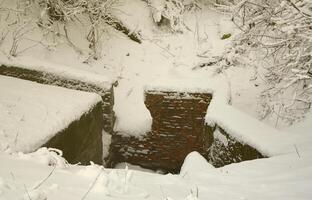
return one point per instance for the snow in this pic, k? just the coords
(106, 141)
(169, 55)
(32, 113)
(138, 23)
(193, 163)
(167, 65)
(123, 165)
(302, 128)
(219, 136)
(248, 130)
(161, 54)
(45, 156)
(280, 177)
(164, 61)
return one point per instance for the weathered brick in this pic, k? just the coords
(177, 129)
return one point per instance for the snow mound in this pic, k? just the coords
(194, 163)
(32, 113)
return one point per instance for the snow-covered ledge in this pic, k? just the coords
(35, 115)
(66, 72)
(68, 77)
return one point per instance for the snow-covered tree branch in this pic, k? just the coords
(279, 33)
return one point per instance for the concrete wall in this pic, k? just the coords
(52, 79)
(81, 141)
(226, 150)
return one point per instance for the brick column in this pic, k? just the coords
(178, 124)
(177, 129)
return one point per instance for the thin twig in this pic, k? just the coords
(92, 185)
(27, 192)
(46, 178)
(297, 151)
(70, 42)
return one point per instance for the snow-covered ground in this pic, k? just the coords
(32, 113)
(281, 177)
(163, 60)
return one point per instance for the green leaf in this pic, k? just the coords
(226, 36)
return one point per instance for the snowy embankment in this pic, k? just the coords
(280, 177)
(32, 113)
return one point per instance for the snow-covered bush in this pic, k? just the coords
(14, 27)
(54, 19)
(170, 12)
(276, 36)
(96, 11)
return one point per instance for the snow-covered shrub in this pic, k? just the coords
(55, 20)
(170, 12)
(96, 11)
(15, 26)
(282, 30)
(66, 10)
(276, 37)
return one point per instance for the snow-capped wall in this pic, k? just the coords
(68, 78)
(32, 113)
(35, 115)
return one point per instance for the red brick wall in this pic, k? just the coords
(177, 129)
